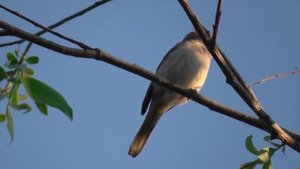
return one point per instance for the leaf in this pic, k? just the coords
(249, 165)
(23, 106)
(267, 165)
(3, 74)
(43, 94)
(12, 65)
(42, 107)
(2, 117)
(10, 73)
(14, 93)
(2, 96)
(250, 147)
(268, 139)
(29, 72)
(21, 67)
(11, 57)
(283, 149)
(22, 97)
(17, 52)
(270, 150)
(32, 60)
(10, 123)
(263, 157)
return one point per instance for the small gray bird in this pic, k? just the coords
(187, 65)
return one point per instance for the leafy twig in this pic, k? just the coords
(264, 155)
(19, 73)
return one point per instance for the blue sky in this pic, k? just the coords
(259, 37)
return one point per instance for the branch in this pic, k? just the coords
(83, 46)
(3, 33)
(275, 76)
(235, 80)
(217, 21)
(82, 12)
(133, 68)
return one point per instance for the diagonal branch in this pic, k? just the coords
(83, 46)
(235, 80)
(80, 13)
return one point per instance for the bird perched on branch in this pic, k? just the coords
(187, 65)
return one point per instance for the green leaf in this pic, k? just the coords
(44, 94)
(3, 74)
(263, 157)
(14, 93)
(17, 52)
(10, 123)
(267, 165)
(22, 97)
(250, 147)
(21, 67)
(23, 106)
(283, 149)
(270, 150)
(10, 73)
(268, 139)
(11, 57)
(249, 165)
(42, 107)
(32, 60)
(29, 72)
(2, 117)
(12, 65)
(2, 96)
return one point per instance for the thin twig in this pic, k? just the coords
(236, 81)
(134, 68)
(65, 20)
(217, 21)
(276, 76)
(27, 49)
(83, 46)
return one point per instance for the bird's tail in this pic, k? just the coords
(143, 134)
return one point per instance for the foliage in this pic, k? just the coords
(264, 155)
(17, 72)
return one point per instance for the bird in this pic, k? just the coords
(186, 64)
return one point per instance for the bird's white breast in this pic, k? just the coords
(187, 65)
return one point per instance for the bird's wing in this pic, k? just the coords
(167, 56)
(147, 99)
(148, 96)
